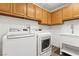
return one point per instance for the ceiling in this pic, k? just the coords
(50, 6)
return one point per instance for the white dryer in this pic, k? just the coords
(44, 43)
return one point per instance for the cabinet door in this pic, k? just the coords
(31, 10)
(53, 18)
(49, 19)
(57, 17)
(5, 7)
(39, 13)
(75, 10)
(45, 16)
(19, 9)
(67, 12)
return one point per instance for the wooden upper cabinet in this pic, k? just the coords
(67, 12)
(57, 17)
(31, 10)
(54, 20)
(45, 17)
(5, 7)
(39, 13)
(75, 9)
(49, 22)
(19, 9)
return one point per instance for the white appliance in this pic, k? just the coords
(44, 43)
(20, 44)
(25, 43)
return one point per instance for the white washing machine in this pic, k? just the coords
(27, 44)
(19, 44)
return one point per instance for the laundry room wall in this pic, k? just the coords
(7, 22)
(65, 28)
(56, 30)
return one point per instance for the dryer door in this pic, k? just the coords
(44, 44)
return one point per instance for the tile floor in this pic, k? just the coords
(55, 51)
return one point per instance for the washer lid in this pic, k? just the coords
(12, 35)
(19, 36)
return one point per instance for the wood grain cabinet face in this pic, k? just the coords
(67, 12)
(19, 9)
(5, 7)
(54, 18)
(57, 17)
(75, 9)
(49, 19)
(45, 17)
(31, 10)
(39, 13)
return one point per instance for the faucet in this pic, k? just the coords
(72, 27)
(29, 27)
